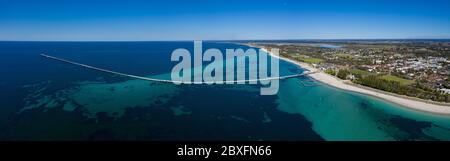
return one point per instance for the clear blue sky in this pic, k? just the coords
(222, 19)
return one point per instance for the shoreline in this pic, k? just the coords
(412, 103)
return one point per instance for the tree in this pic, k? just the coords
(343, 73)
(330, 72)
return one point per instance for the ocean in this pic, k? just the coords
(42, 99)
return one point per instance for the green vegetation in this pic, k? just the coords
(354, 58)
(330, 72)
(343, 73)
(345, 56)
(394, 86)
(307, 59)
(360, 73)
(398, 79)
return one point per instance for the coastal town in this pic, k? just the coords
(417, 69)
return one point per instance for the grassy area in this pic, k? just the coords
(347, 56)
(363, 73)
(308, 59)
(397, 79)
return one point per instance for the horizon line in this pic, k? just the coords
(184, 40)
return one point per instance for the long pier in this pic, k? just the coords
(172, 81)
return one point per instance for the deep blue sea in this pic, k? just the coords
(42, 99)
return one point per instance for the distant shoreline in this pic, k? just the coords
(409, 102)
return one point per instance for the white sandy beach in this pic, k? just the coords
(401, 100)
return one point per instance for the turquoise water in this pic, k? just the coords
(47, 100)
